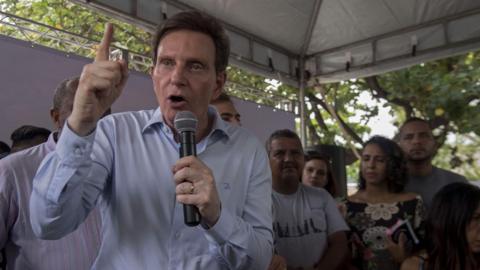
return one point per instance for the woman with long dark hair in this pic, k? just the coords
(379, 205)
(317, 172)
(452, 231)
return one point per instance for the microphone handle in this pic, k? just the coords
(191, 215)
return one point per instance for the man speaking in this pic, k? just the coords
(128, 164)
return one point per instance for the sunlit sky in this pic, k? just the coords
(380, 124)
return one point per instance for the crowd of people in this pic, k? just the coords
(105, 191)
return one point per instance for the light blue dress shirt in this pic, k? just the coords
(125, 168)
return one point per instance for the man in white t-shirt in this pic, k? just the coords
(309, 231)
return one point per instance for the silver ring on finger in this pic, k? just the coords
(192, 189)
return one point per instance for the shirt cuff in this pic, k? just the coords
(221, 231)
(72, 148)
(73, 151)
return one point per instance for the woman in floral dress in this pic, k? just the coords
(378, 205)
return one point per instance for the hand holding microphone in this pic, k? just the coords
(195, 183)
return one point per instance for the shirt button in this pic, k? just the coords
(78, 151)
(177, 235)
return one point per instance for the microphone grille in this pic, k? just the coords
(185, 121)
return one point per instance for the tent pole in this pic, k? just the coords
(301, 99)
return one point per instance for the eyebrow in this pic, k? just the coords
(187, 60)
(374, 156)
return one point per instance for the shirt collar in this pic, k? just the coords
(219, 126)
(156, 118)
(50, 143)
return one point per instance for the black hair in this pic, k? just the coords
(450, 213)
(330, 186)
(396, 174)
(27, 132)
(4, 148)
(281, 133)
(199, 22)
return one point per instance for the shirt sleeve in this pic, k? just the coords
(8, 205)
(64, 190)
(246, 242)
(335, 220)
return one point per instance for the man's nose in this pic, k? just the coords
(417, 139)
(178, 74)
(371, 163)
(288, 156)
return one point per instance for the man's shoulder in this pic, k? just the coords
(314, 190)
(25, 157)
(449, 175)
(137, 119)
(315, 194)
(130, 115)
(18, 169)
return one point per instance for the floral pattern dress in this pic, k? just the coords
(369, 223)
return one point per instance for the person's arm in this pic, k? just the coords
(100, 84)
(243, 242)
(277, 263)
(337, 252)
(411, 263)
(63, 193)
(8, 207)
(67, 185)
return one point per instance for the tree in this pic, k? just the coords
(446, 92)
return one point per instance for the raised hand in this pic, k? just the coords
(101, 83)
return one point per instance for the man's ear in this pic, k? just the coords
(55, 116)
(220, 83)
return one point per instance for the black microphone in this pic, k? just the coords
(186, 124)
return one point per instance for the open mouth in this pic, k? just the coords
(289, 168)
(176, 99)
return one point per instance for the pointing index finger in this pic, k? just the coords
(103, 48)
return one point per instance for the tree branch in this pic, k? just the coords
(335, 115)
(316, 112)
(314, 138)
(379, 92)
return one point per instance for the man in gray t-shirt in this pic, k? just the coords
(416, 139)
(309, 231)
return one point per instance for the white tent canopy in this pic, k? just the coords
(335, 39)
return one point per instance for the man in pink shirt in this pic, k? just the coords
(23, 250)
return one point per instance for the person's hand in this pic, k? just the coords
(342, 208)
(101, 83)
(195, 185)
(277, 263)
(398, 251)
